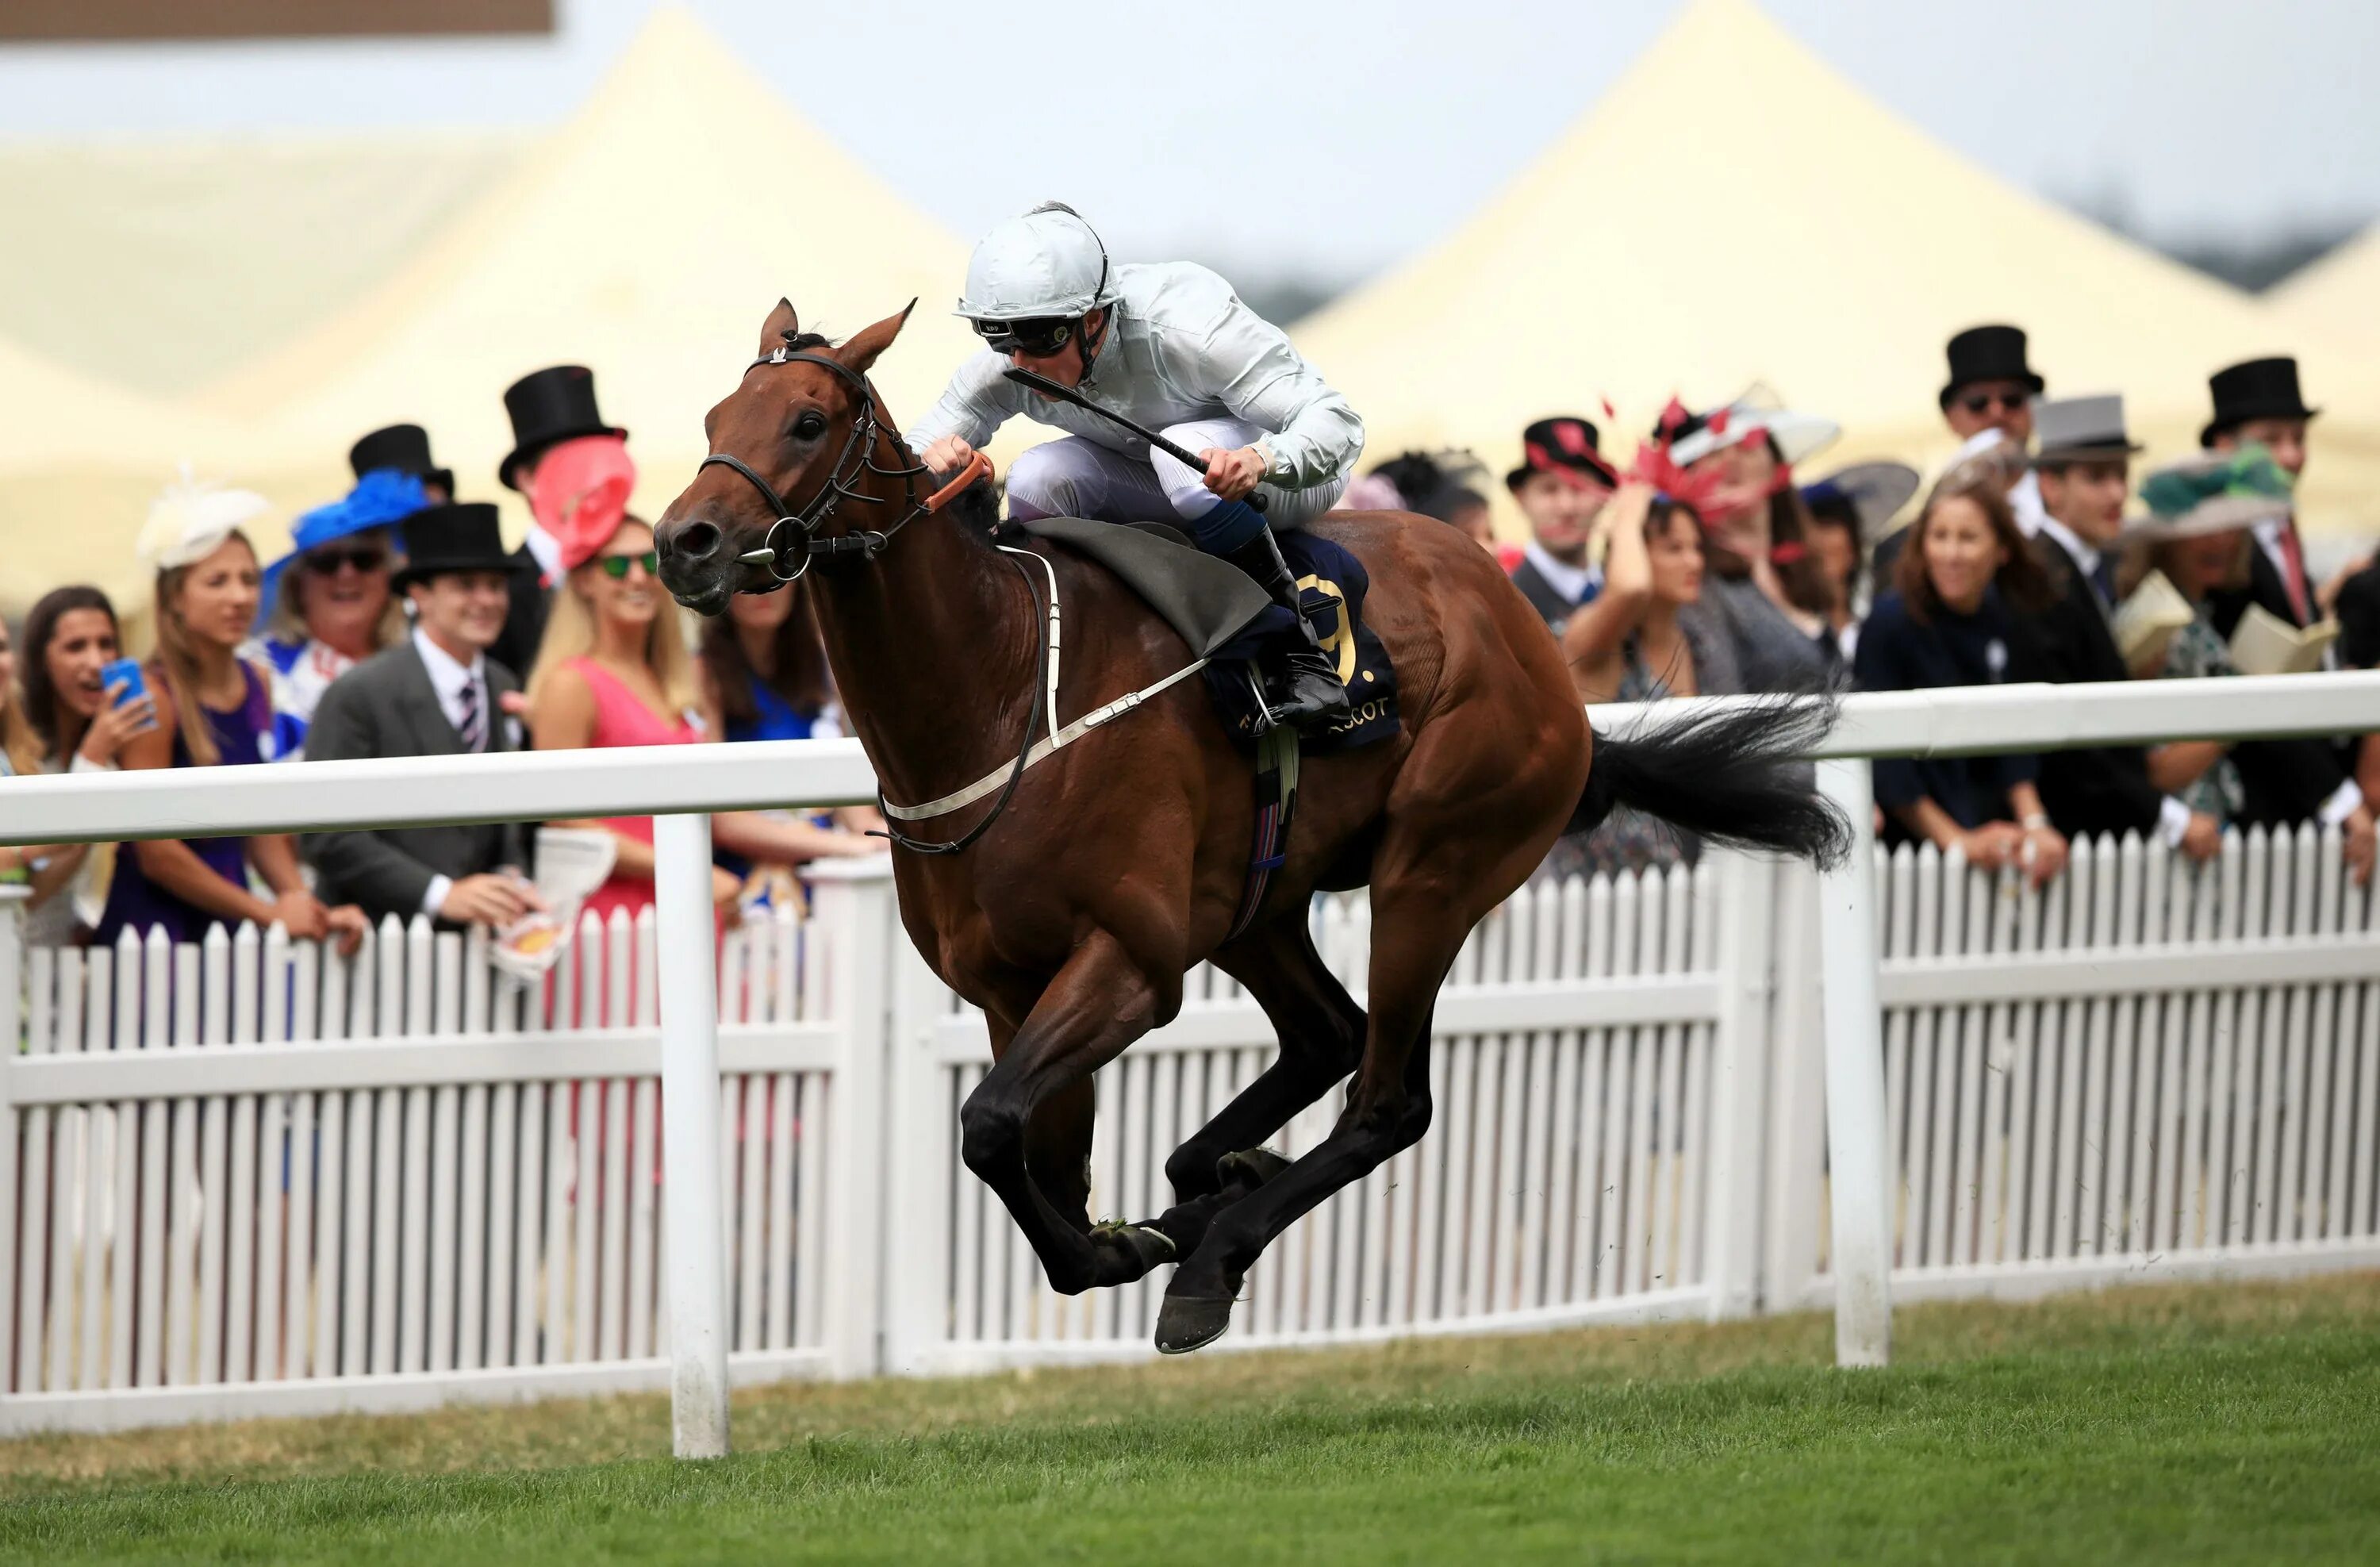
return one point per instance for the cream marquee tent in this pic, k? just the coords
(79, 461)
(646, 240)
(1733, 211)
(160, 263)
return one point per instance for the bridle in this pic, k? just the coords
(855, 461)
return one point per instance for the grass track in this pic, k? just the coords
(2153, 1425)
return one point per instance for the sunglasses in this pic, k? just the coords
(1036, 339)
(1983, 402)
(616, 566)
(329, 559)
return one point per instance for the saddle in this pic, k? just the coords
(1227, 619)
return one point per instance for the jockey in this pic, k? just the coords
(1169, 346)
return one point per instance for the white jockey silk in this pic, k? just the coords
(1180, 347)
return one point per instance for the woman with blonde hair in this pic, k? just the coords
(614, 670)
(213, 709)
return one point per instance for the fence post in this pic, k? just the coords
(1797, 1099)
(1738, 1085)
(920, 1142)
(12, 978)
(852, 907)
(692, 1211)
(1861, 1253)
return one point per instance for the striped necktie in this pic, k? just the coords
(472, 729)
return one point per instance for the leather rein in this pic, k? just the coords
(853, 463)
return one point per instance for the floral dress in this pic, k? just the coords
(2196, 652)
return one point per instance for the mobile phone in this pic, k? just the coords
(129, 672)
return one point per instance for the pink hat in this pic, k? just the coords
(579, 494)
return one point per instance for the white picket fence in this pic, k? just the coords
(2148, 1068)
(255, 1178)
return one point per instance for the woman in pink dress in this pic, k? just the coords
(614, 669)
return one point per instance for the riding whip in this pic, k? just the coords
(1034, 382)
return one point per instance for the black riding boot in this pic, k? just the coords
(1316, 698)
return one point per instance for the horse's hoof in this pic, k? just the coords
(1249, 1168)
(1184, 1324)
(1138, 1250)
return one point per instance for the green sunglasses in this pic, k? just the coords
(616, 566)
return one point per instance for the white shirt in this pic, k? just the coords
(1573, 582)
(2085, 556)
(449, 680)
(1180, 346)
(546, 549)
(2024, 500)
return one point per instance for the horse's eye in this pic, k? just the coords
(809, 427)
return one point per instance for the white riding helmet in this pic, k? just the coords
(1047, 263)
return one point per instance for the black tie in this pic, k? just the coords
(474, 732)
(2103, 577)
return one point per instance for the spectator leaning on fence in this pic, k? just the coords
(1947, 619)
(2197, 537)
(2085, 472)
(213, 708)
(437, 693)
(79, 722)
(328, 605)
(762, 669)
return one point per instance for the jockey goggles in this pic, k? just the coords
(1037, 340)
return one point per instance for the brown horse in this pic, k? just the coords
(1119, 861)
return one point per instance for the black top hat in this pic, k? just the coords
(548, 407)
(1564, 443)
(405, 448)
(457, 536)
(1988, 353)
(2258, 389)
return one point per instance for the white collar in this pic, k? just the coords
(546, 549)
(446, 676)
(2024, 504)
(1571, 581)
(2085, 556)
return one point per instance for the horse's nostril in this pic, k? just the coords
(697, 540)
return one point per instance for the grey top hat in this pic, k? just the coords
(2081, 430)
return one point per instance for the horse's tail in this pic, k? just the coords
(1730, 775)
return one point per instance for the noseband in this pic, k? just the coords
(793, 537)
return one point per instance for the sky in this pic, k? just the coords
(1326, 139)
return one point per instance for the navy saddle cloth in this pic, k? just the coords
(1225, 618)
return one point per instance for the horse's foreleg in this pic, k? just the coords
(1414, 942)
(1020, 1116)
(1321, 1033)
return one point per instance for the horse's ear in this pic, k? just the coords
(781, 324)
(861, 351)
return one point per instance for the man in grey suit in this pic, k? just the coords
(437, 693)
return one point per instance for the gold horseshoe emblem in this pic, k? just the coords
(1340, 642)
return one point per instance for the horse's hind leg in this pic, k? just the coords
(1321, 1033)
(1032, 1107)
(1416, 933)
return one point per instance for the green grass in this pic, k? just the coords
(2146, 1424)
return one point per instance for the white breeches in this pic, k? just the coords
(1078, 478)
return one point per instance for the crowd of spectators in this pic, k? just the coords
(398, 624)
(1708, 564)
